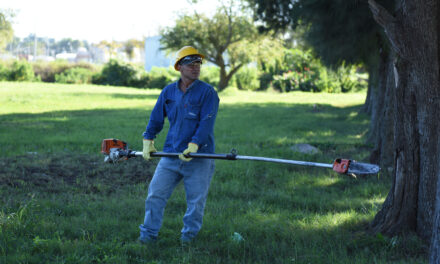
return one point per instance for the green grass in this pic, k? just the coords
(61, 204)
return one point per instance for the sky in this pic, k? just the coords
(96, 20)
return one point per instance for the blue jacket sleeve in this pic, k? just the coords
(208, 113)
(157, 118)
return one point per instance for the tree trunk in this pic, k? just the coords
(370, 101)
(381, 128)
(367, 107)
(413, 34)
(435, 240)
(434, 254)
(226, 77)
(223, 83)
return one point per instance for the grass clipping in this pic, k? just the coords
(56, 173)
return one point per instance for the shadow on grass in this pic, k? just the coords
(135, 96)
(117, 95)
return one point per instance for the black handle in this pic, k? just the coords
(228, 156)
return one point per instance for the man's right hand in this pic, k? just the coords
(148, 148)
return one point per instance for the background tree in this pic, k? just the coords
(130, 45)
(342, 32)
(227, 40)
(111, 47)
(6, 31)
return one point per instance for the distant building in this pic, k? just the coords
(98, 54)
(154, 56)
(83, 55)
(70, 57)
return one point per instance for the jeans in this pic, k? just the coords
(196, 175)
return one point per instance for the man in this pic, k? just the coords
(191, 108)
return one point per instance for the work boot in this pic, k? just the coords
(147, 240)
(186, 241)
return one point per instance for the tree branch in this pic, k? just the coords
(234, 70)
(390, 24)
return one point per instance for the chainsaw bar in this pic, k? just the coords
(362, 168)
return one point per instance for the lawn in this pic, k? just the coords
(61, 204)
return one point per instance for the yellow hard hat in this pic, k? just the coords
(186, 51)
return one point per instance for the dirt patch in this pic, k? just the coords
(58, 172)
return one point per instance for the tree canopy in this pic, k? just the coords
(337, 30)
(227, 40)
(6, 31)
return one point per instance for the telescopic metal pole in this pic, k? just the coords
(233, 156)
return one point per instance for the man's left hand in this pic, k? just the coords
(192, 148)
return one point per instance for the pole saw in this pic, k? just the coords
(115, 150)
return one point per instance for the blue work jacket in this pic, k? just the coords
(191, 116)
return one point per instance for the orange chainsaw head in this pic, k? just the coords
(112, 143)
(341, 165)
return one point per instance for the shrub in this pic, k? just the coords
(211, 75)
(327, 81)
(296, 80)
(247, 79)
(265, 80)
(347, 78)
(48, 70)
(116, 73)
(21, 71)
(159, 77)
(142, 80)
(3, 72)
(300, 70)
(75, 75)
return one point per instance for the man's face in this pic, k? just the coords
(190, 71)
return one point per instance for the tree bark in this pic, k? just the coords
(381, 128)
(413, 34)
(226, 77)
(366, 108)
(371, 100)
(434, 254)
(223, 83)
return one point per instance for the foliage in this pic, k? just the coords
(247, 79)
(228, 40)
(300, 70)
(337, 30)
(21, 70)
(265, 79)
(328, 81)
(130, 45)
(111, 47)
(210, 74)
(62, 204)
(74, 75)
(4, 72)
(67, 45)
(6, 31)
(117, 73)
(48, 70)
(161, 77)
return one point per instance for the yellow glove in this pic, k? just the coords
(192, 148)
(148, 148)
